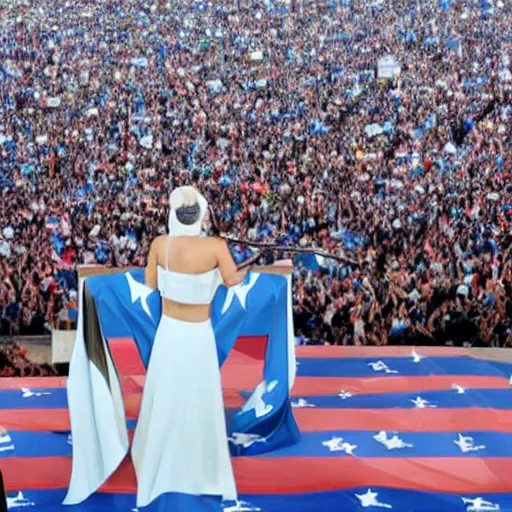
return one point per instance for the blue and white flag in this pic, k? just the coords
(122, 306)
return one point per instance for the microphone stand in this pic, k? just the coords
(271, 247)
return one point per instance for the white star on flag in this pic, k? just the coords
(480, 505)
(391, 443)
(139, 291)
(301, 403)
(241, 291)
(241, 506)
(19, 501)
(420, 403)
(344, 394)
(336, 444)
(370, 500)
(467, 444)
(5, 441)
(379, 366)
(4, 436)
(27, 393)
(246, 440)
(416, 358)
(460, 390)
(256, 402)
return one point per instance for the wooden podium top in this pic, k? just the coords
(100, 270)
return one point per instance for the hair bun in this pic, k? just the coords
(189, 214)
(183, 196)
(187, 210)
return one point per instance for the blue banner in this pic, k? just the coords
(258, 307)
(349, 500)
(400, 366)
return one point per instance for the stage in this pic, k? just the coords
(397, 428)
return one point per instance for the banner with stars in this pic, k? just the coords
(401, 429)
(121, 306)
(416, 430)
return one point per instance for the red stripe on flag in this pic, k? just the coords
(315, 386)
(32, 382)
(35, 420)
(128, 361)
(310, 474)
(319, 351)
(314, 420)
(259, 475)
(253, 346)
(404, 420)
(237, 378)
(241, 375)
(126, 356)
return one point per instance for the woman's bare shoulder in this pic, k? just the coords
(213, 244)
(207, 242)
(159, 240)
(213, 240)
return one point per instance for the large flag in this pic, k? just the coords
(122, 306)
(426, 429)
(382, 429)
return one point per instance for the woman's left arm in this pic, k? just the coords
(249, 262)
(150, 276)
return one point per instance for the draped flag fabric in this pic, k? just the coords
(398, 429)
(121, 305)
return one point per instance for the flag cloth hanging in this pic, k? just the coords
(121, 306)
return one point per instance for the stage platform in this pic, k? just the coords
(396, 428)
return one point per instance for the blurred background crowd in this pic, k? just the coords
(376, 130)
(14, 363)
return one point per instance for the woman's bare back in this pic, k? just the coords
(190, 255)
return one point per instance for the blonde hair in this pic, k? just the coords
(184, 196)
(186, 213)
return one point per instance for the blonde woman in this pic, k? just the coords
(180, 443)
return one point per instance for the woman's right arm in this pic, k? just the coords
(231, 276)
(151, 273)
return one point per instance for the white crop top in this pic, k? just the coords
(190, 289)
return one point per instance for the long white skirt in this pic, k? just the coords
(180, 442)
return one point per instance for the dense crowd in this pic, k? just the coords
(14, 363)
(279, 113)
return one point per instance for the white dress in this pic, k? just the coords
(180, 442)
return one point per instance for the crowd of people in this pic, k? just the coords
(14, 363)
(295, 129)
